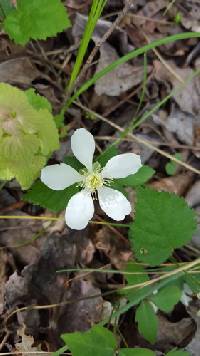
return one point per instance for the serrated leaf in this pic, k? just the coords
(147, 321)
(36, 19)
(163, 222)
(97, 341)
(28, 136)
(38, 101)
(104, 157)
(54, 200)
(5, 8)
(178, 353)
(167, 297)
(144, 174)
(136, 352)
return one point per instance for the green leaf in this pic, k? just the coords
(178, 353)
(171, 166)
(139, 276)
(144, 174)
(163, 222)
(38, 101)
(147, 321)
(36, 19)
(59, 119)
(5, 8)
(28, 137)
(193, 281)
(109, 153)
(54, 200)
(73, 162)
(136, 352)
(167, 297)
(97, 341)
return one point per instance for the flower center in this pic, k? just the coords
(93, 181)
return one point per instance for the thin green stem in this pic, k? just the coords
(124, 59)
(52, 218)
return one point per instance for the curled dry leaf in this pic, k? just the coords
(26, 344)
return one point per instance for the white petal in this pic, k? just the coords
(83, 147)
(59, 176)
(122, 166)
(80, 210)
(113, 203)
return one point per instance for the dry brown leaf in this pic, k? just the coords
(150, 9)
(177, 184)
(187, 97)
(172, 334)
(18, 71)
(116, 248)
(194, 346)
(193, 195)
(121, 79)
(26, 344)
(178, 122)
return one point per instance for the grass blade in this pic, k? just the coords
(127, 57)
(95, 13)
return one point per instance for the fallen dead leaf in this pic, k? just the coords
(116, 248)
(187, 97)
(26, 344)
(121, 79)
(178, 122)
(193, 195)
(18, 71)
(174, 334)
(39, 283)
(176, 184)
(194, 346)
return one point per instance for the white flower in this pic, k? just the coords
(93, 180)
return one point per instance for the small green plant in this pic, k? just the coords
(35, 19)
(102, 342)
(28, 134)
(171, 167)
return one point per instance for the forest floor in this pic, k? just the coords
(31, 251)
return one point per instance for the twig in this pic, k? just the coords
(99, 44)
(157, 143)
(184, 268)
(140, 140)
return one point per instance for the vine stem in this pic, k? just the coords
(53, 218)
(179, 270)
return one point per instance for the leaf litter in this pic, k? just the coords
(28, 274)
